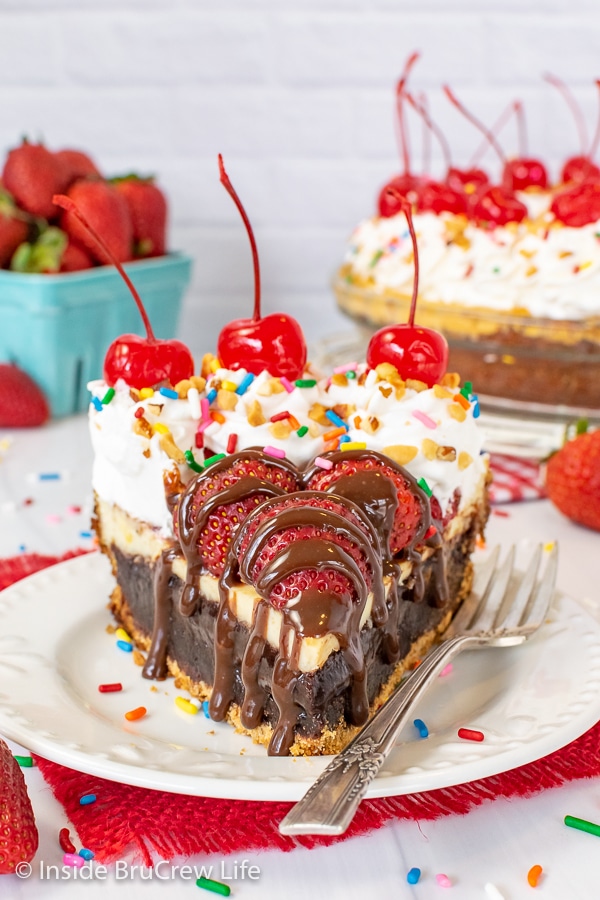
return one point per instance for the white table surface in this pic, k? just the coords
(496, 843)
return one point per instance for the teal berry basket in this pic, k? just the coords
(57, 328)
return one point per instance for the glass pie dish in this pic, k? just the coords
(519, 358)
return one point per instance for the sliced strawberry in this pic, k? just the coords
(18, 832)
(451, 509)
(412, 510)
(250, 469)
(329, 530)
(22, 403)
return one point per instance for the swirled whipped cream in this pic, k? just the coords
(538, 266)
(139, 438)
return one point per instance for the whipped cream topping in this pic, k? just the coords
(536, 266)
(431, 432)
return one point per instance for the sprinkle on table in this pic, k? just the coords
(205, 709)
(122, 635)
(64, 839)
(443, 880)
(215, 886)
(582, 825)
(413, 875)
(26, 762)
(111, 688)
(138, 713)
(534, 874)
(446, 670)
(186, 705)
(87, 799)
(470, 734)
(49, 476)
(74, 860)
(421, 728)
(126, 646)
(86, 854)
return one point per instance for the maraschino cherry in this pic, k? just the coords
(576, 168)
(495, 205)
(436, 196)
(418, 353)
(275, 343)
(140, 362)
(523, 172)
(406, 184)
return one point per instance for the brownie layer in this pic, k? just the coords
(324, 695)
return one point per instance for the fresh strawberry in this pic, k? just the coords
(320, 581)
(14, 228)
(410, 516)
(223, 521)
(32, 174)
(148, 209)
(573, 479)
(107, 212)
(75, 258)
(76, 164)
(18, 833)
(22, 403)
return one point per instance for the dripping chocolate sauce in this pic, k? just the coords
(375, 496)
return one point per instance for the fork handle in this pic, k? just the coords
(329, 805)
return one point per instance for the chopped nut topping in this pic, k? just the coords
(265, 389)
(208, 363)
(277, 386)
(314, 430)
(339, 379)
(464, 460)
(429, 448)
(446, 454)
(401, 453)
(182, 388)
(138, 658)
(344, 410)
(456, 411)
(134, 394)
(281, 430)
(441, 393)
(146, 453)
(400, 391)
(416, 385)
(143, 427)
(255, 414)
(450, 380)
(168, 445)
(371, 425)
(357, 421)
(317, 414)
(198, 382)
(388, 372)
(361, 378)
(155, 408)
(386, 391)
(226, 399)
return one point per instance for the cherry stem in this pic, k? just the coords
(421, 109)
(573, 106)
(476, 122)
(406, 209)
(496, 128)
(426, 140)
(224, 177)
(521, 128)
(400, 123)
(596, 139)
(67, 204)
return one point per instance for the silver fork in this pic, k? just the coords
(504, 608)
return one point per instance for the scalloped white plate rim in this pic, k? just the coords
(55, 650)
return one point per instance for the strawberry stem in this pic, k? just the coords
(573, 106)
(224, 177)
(67, 204)
(475, 121)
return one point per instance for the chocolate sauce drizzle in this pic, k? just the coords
(314, 614)
(372, 497)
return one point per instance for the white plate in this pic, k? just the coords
(55, 650)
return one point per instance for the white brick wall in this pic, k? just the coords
(298, 96)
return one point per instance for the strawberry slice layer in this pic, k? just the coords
(330, 520)
(347, 476)
(222, 497)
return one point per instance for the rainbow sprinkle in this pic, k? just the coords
(335, 419)
(244, 384)
(323, 463)
(302, 430)
(424, 418)
(305, 382)
(212, 395)
(108, 396)
(287, 384)
(274, 451)
(424, 486)
(353, 445)
(213, 459)
(192, 462)
(97, 403)
(168, 392)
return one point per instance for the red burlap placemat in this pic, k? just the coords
(146, 822)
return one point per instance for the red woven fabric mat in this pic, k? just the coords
(127, 819)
